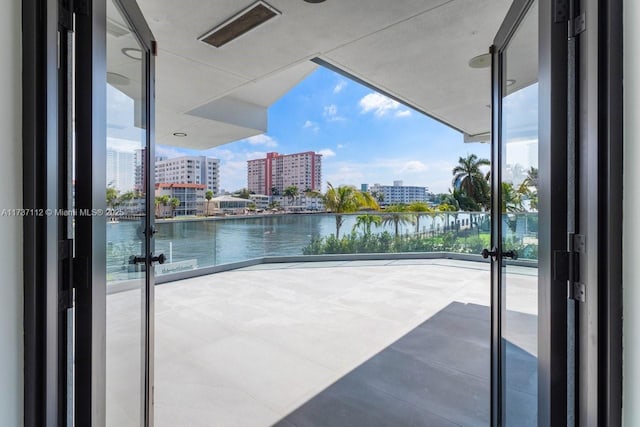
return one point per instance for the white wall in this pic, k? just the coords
(631, 239)
(11, 340)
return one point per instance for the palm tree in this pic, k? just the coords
(469, 177)
(378, 195)
(531, 180)
(126, 197)
(465, 202)
(529, 187)
(511, 199)
(346, 199)
(274, 205)
(448, 203)
(366, 221)
(243, 193)
(208, 195)
(291, 192)
(397, 216)
(418, 208)
(112, 197)
(161, 200)
(314, 195)
(175, 202)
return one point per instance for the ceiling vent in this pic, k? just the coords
(239, 24)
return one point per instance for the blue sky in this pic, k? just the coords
(364, 138)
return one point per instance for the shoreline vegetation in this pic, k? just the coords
(236, 216)
(452, 235)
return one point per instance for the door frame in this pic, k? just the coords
(599, 117)
(91, 124)
(43, 401)
(552, 226)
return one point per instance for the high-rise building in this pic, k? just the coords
(139, 169)
(399, 194)
(190, 170)
(276, 172)
(120, 170)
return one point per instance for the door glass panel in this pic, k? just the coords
(519, 226)
(125, 193)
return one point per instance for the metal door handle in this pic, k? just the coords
(136, 259)
(160, 259)
(486, 253)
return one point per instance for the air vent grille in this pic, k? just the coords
(240, 24)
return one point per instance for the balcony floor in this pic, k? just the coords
(396, 343)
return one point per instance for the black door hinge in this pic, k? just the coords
(566, 266)
(579, 24)
(81, 7)
(561, 11)
(65, 14)
(65, 274)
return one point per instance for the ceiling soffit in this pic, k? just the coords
(416, 50)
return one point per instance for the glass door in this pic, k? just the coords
(514, 250)
(129, 229)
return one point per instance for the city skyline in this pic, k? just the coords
(363, 137)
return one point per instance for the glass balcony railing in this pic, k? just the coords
(200, 243)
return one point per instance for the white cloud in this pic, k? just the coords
(340, 146)
(233, 175)
(327, 152)
(219, 153)
(252, 155)
(344, 175)
(123, 145)
(338, 88)
(331, 113)
(168, 152)
(311, 125)
(262, 139)
(380, 105)
(414, 166)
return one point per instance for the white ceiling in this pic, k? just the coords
(416, 50)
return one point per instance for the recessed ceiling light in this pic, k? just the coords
(179, 134)
(314, 1)
(511, 82)
(481, 61)
(132, 53)
(239, 24)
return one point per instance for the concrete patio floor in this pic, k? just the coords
(250, 347)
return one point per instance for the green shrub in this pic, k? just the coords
(461, 242)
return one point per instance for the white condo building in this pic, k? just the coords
(399, 194)
(189, 170)
(120, 170)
